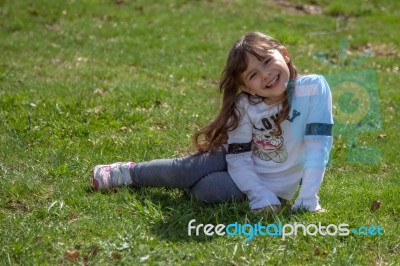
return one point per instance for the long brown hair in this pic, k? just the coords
(215, 133)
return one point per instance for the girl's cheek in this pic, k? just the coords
(257, 81)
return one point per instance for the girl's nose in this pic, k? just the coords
(266, 74)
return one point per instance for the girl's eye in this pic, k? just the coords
(266, 61)
(252, 76)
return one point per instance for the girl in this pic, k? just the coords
(273, 132)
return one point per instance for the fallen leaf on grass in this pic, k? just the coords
(382, 50)
(116, 255)
(16, 205)
(52, 27)
(125, 129)
(376, 205)
(100, 91)
(72, 217)
(73, 255)
(312, 9)
(158, 126)
(96, 110)
(319, 252)
(381, 136)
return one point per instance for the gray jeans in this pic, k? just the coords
(203, 176)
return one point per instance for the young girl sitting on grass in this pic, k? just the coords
(273, 133)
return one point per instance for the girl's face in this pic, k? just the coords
(267, 78)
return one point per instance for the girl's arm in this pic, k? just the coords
(240, 163)
(318, 143)
(240, 168)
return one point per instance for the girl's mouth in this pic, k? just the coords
(273, 82)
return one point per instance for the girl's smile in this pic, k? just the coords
(274, 82)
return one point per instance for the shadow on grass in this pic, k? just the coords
(168, 212)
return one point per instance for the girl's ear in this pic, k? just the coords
(285, 53)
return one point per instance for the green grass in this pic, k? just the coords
(90, 82)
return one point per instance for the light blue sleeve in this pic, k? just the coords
(317, 142)
(319, 122)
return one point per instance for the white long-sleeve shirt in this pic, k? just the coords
(275, 164)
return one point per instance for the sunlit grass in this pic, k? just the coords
(89, 82)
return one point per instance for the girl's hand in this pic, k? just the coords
(273, 208)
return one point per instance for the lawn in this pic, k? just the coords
(93, 81)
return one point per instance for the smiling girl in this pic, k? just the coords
(272, 134)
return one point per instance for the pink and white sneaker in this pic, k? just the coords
(113, 175)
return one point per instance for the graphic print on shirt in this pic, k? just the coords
(267, 146)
